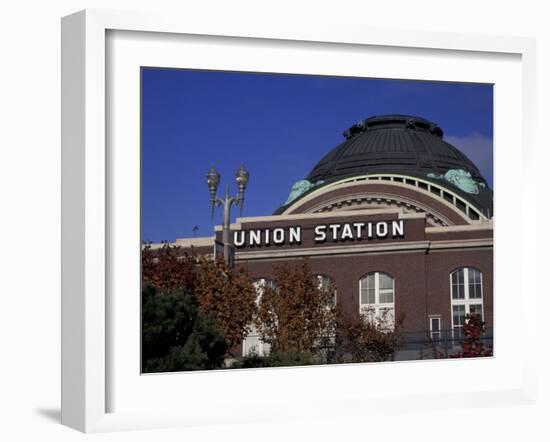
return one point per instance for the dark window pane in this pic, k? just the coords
(461, 276)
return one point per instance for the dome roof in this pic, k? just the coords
(392, 143)
(399, 144)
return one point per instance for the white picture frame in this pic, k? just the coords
(86, 206)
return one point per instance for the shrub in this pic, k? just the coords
(176, 336)
(472, 346)
(368, 340)
(277, 359)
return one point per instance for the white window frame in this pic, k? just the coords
(432, 332)
(467, 302)
(377, 306)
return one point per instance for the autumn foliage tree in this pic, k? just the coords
(368, 339)
(472, 345)
(167, 269)
(298, 314)
(229, 294)
(224, 293)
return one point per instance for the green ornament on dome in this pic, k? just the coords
(461, 179)
(299, 188)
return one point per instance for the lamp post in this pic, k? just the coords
(213, 181)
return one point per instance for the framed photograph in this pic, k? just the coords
(249, 214)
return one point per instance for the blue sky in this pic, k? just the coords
(278, 126)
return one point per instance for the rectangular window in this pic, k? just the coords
(435, 327)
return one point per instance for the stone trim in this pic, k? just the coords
(394, 247)
(461, 243)
(203, 241)
(478, 225)
(400, 203)
(368, 179)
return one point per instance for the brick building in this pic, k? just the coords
(398, 219)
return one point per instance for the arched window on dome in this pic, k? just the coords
(377, 298)
(466, 296)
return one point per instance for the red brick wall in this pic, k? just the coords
(421, 280)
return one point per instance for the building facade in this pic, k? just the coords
(398, 219)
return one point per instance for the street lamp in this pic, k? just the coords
(213, 181)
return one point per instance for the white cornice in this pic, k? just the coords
(202, 241)
(357, 181)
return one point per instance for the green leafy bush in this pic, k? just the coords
(277, 359)
(176, 336)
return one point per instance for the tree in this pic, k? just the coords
(227, 293)
(176, 336)
(168, 269)
(368, 339)
(472, 345)
(298, 314)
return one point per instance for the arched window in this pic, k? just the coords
(324, 283)
(377, 298)
(466, 296)
(252, 343)
(260, 284)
